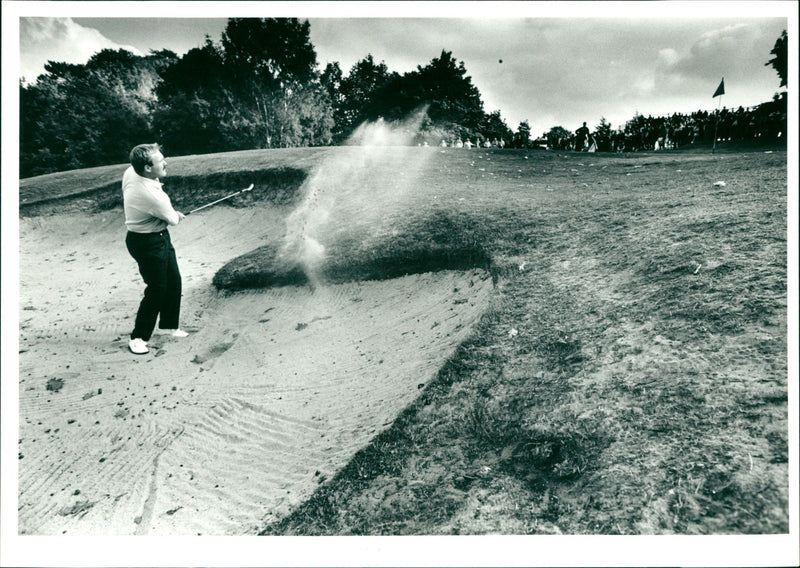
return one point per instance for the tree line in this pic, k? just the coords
(259, 86)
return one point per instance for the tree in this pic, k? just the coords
(448, 89)
(42, 143)
(493, 127)
(88, 115)
(558, 138)
(273, 51)
(201, 68)
(307, 117)
(257, 88)
(195, 102)
(602, 135)
(522, 138)
(269, 61)
(453, 103)
(780, 61)
(331, 80)
(360, 99)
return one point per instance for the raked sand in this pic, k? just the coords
(219, 433)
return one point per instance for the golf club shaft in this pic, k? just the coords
(221, 199)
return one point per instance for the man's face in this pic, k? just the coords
(158, 169)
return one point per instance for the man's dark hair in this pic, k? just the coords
(140, 156)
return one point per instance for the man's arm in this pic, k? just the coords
(162, 208)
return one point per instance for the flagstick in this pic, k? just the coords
(716, 124)
(714, 145)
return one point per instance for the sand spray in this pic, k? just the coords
(358, 184)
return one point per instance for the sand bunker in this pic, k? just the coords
(216, 434)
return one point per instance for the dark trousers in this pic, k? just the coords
(158, 266)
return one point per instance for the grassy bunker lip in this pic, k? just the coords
(265, 267)
(428, 243)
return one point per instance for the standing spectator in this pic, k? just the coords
(581, 136)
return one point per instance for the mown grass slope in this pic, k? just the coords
(631, 376)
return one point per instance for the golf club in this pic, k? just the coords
(221, 199)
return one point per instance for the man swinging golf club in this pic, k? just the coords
(148, 212)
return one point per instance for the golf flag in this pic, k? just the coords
(721, 89)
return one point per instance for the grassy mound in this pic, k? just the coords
(434, 241)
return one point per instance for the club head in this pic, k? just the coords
(248, 188)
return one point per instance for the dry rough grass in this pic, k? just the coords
(631, 377)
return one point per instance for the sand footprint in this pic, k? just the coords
(214, 351)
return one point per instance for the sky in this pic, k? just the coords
(552, 64)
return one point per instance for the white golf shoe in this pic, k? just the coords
(138, 346)
(174, 332)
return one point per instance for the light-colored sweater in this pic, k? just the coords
(147, 208)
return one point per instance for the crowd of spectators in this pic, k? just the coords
(479, 143)
(764, 122)
(761, 123)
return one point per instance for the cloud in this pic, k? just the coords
(40, 38)
(669, 56)
(732, 51)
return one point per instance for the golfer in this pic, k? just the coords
(148, 212)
